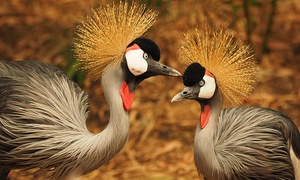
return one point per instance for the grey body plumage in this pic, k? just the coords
(43, 115)
(247, 143)
(262, 140)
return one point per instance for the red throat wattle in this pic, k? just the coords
(204, 117)
(127, 97)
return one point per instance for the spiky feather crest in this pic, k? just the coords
(232, 65)
(105, 33)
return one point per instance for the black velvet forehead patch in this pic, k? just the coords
(148, 46)
(193, 74)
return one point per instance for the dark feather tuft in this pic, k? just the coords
(193, 74)
(148, 46)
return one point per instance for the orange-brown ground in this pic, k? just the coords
(161, 136)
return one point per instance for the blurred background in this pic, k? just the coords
(160, 146)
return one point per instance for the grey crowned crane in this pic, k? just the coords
(239, 142)
(43, 113)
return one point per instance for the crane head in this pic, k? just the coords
(199, 84)
(223, 55)
(141, 62)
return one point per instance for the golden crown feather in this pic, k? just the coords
(232, 65)
(103, 36)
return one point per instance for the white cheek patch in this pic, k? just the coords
(208, 90)
(136, 63)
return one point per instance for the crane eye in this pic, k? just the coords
(145, 56)
(201, 83)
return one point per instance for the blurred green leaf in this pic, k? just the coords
(236, 8)
(73, 72)
(255, 3)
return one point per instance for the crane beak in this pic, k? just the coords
(178, 97)
(187, 93)
(156, 68)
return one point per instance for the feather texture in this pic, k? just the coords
(103, 37)
(43, 121)
(252, 142)
(29, 91)
(246, 143)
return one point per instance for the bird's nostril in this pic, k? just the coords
(184, 92)
(164, 66)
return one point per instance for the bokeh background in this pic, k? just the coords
(160, 146)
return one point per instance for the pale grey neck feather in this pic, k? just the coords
(43, 121)
(246, 143)
(203, 142)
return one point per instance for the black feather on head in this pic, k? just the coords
(193, 74)
(148, 46)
